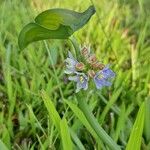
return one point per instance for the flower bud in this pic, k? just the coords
(92, 59)
(85, 51)
(98, 65)
(91, 73)
(80, 66)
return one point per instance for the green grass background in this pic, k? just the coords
(33, 85)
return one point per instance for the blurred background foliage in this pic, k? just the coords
(119, 34)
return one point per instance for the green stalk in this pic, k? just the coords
(90, 117)
(96, 126)
(76, 46)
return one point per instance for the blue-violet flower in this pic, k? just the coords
(81, 79)
(90, 67)
(71, 63)
(101, 77)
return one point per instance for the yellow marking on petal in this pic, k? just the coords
(100, 76)
(81, 79)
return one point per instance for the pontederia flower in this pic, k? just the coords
(70, 64)
(89, 68)
(101, 78)
(73, 65)
(81, 79)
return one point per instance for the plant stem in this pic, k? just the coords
(75, 45)
(96, 126)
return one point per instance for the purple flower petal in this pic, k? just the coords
(70, 64)
(108, 73)
(81, 80)
(101, 82)
(101, 77)
(73, 78)
(71, 56)
(79, 87)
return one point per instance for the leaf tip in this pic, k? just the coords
(92, 9)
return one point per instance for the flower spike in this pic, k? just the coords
(90, 68)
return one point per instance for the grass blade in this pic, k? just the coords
(65, 135)
(120, 123)
(78, 113)
(147, 120)
(76, 140)
(51, 110)
(110, 104)
(3, 146)
(136, 133)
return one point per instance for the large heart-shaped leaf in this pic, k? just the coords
(34, 32)
(54, 24)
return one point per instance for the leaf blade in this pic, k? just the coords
(79, 114)
(147, 120)
(3, 146)
(52, 112)
(137, 130)
(65, 135)
(33, 32)
(52, 18)
(54, 24)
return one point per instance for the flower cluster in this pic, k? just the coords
(89, 68)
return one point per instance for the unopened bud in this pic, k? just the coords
(85, 51)
(92, 59)
(80, 66)
(91, 73)
(95, 65)
(98, 65)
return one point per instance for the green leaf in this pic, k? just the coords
(34, 32)
(3, 146)
(65, 135)
(34, 119)
(147, 120)
(137, 130)
(110, 103)
(53, 18)
(54, 24)
(82, 118)
(76, 140)
(52, 112)
(40, 142)
(121, 122)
